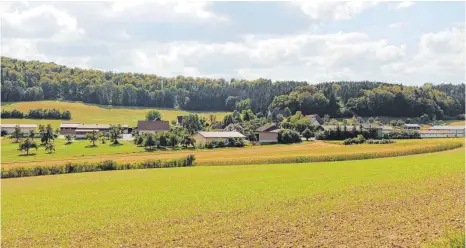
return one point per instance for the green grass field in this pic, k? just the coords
(91, 113)
(80, 151)
(389, 202)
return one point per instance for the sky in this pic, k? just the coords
(315, 41)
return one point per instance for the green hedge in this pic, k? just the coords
(95, 166)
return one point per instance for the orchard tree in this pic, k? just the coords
(50, 147)
(17, 134)
(115, 133)
(31, 134)
(92, 137)
(69, 138)
(26, 145)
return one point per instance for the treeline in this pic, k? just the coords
(37, 114)
(33, 80)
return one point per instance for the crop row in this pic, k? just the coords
(335, 157)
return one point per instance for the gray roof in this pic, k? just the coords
(20, 125)
(412, 125)
(88, 126)
(447, 128)
(316, 117)
(267, 127)
(221, 135)
(153, 126)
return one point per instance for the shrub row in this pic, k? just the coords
(337, 157)
(230, 142)
(95, 166)
(358, 140)
(37, 114)
(382, 141)
(404, 134)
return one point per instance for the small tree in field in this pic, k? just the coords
(26, 145)
(31, 134)
(92, 137)
(115, 133)
(17, 134)
(102, 138)
(50, 147)
(69, 138)
(307, 133)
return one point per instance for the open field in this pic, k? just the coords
(91, 113)
(321, 151)
(389, 202)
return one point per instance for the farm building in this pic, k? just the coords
(203, 138)
(268, 133)
(457, 131)
(315, 120)
(412, 127)
(25, 128)
(153, 126)
(436, 134)
(80, 130)
(387, 129)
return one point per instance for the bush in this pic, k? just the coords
(4, 133)
(382, 141)
(96, 166)
(404, 134)
(288, 136)
(358, 140)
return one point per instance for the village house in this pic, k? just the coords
(153, 126)
(456, 131)
(268, 133)
(80, 130)
(412, 127)
(315, 120)
(387, 129)
(25, 128)
(203, 138)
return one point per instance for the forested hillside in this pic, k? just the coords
(33, 80)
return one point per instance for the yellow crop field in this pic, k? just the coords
(389, 202)
(318, 151)
(91, 113)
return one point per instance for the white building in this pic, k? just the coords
(457, 131)
(412, 127)
(203, 138)
(25, 128)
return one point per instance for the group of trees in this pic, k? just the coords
(173, 138)
(33, 80)
(47, 136)
(113, 135)
(37, 114)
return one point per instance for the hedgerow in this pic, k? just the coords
(95, 166)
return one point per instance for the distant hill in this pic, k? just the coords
(33, 80)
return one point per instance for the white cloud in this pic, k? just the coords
(333, 10)
(135, 11)
(99, 35)
(404, 4)
(397, 25)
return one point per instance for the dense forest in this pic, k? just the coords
(33, 80)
